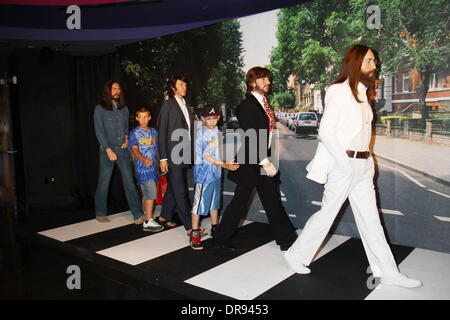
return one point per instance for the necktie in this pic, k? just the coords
(270, 114)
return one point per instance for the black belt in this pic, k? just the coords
(358, 154)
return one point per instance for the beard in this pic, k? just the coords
(115, 98)
(368, 79)
(262, 89)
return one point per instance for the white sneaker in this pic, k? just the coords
(152, 226)
(401, 280)
(296, 266)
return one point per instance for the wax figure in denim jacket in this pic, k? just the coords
(111, 129)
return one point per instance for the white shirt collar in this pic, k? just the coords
(181, 101)
(258, 97)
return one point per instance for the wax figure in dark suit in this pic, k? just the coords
(175, 114)
(255, 114)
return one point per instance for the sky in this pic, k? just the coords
(258, 35)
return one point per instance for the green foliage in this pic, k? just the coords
(284, 100)
(313, 37)
(209, 56)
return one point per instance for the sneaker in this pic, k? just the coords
(296, 266)
(401, 280)
(139, 220)
(102, 219)
(196, 240)
(152, 226)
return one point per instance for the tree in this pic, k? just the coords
(209, 56)
(414, 35)
(312, 38)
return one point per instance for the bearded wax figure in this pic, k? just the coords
(344, 164)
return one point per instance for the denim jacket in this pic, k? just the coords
(111, 126)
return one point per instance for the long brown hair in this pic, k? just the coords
(253, 74)
(351, 69)
(106, 101)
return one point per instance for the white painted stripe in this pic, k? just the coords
(385, 211)
(405, 174)
(446, 219)
(412, 179)
(262, 211)
(283, 199)
(430, 267)
(440, 193)
(393, 212)
(251, 274)
(292, 215)
(153, 246)
(86, 228)
(282, 194)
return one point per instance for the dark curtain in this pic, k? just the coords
(89, 75)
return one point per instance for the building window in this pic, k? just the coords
(405, 81)
(433, 81)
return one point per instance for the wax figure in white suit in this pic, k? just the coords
(346, 128)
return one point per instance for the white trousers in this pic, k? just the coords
(355, 183)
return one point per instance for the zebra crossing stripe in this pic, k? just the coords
(153, 246)
(253, 273)
(85, 228)
(430, 267)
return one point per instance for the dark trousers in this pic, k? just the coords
(177, 197)
(269, 193)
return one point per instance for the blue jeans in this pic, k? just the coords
(104, 177)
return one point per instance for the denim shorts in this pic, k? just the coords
(149, 190)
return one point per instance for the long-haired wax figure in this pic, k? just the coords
(111, 129)
(344, 164)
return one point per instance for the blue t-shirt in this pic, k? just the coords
(206, 140)
(147, 143)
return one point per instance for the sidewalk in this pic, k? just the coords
(430, 159)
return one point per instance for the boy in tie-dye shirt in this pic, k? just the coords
(143, 142)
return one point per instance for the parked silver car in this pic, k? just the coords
(306, 122)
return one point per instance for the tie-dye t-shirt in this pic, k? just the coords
(147, 143)
(206, 140)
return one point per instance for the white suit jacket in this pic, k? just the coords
(341, 122)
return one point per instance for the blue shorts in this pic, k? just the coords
(206, 198)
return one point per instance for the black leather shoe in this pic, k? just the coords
(225, 247)
(285, 247)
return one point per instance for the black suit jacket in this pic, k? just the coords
(170, 118)
(251, 115)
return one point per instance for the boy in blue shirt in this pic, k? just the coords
(207, 174)
(143, 142)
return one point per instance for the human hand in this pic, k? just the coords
(164, 166)
(148, 162)
(233, 166)
(111, 154)
(270, 169)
